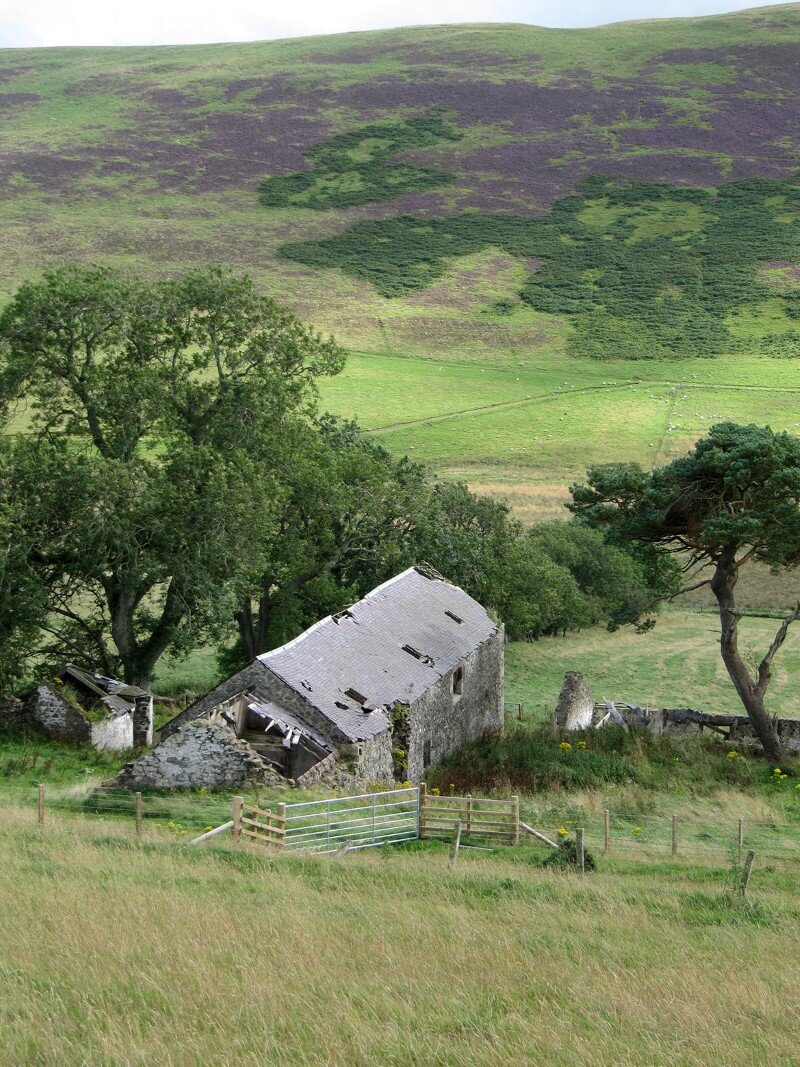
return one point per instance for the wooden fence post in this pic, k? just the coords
(469, 812)
(138, 809)
(40, 817)
(456, 845)
(581, 851)
(741, 839)
(747, 871)
(423, 795)
(282, 824)
(515, 803)
(674, 835)
(606, 832)
(520, 712)
(237, 819)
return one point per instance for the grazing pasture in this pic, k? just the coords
(528, 428)
(162, 953)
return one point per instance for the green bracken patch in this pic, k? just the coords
(640, 270)
(359, 167)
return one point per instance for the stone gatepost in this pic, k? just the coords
(143, 721)
(575, 707)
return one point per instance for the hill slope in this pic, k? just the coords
(294, 159)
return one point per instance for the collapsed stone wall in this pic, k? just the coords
(55, 716)
(197, 756)
(687, 722)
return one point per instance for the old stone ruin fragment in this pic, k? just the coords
(78, 705)
(575, 708)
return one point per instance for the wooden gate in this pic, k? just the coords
(370, 819)
(258, 824)
(496, 821)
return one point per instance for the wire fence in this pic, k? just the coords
(685, 836)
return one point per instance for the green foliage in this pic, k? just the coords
(533, 760)
(738, 490)
(565, 857)
(641, 270)
(145, 492)
(733, 499)
(355, 168)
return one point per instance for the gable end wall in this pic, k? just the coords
(449, 725)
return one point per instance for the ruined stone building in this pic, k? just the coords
(78, 705)
(382, 690)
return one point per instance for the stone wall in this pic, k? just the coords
(443, 723)
(686, 722)
(374, 760)
(197, 756)
(55, 716)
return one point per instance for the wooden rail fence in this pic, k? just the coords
(481, 818)
(258, 824)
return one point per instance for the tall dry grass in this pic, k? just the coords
(113, 953)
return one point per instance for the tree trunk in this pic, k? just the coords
(139, 659)
(254, 629)
(750, 693)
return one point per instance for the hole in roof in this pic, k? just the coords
(308, 686)
(418, 655)
(346, 614)
(452, 615)
(355, 695)
(340, 704)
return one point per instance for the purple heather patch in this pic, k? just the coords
(14, 99)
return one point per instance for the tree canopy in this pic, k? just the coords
(147, 483)
(734, 499)
(176, 485)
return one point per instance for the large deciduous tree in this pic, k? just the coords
(145, 490)
(733, 500)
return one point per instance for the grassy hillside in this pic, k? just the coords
(675, 665)
(254, 154)
(502, 221)
(527, 426)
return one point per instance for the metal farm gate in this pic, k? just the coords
(370, 819)
(353, 822)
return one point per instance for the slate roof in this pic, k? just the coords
(117, 696)
(363, 652)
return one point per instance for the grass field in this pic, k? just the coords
(526, 429)
(675, 665)
(162, 954)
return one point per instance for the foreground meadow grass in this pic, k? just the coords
(113, 953)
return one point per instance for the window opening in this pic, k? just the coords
(458, 681)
